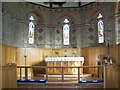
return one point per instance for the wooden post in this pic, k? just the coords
(78, 74)
(100, 73)
(26, 73)
(53, 68)
(105, 75)
(20, 73)
(62, 73)
(46, 73)
(15, 78)
(32, 72)
(94, 71)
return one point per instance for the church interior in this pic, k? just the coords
(59, 44)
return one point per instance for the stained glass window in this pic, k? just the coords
(100, 29)
(31, 30)
(66, 29)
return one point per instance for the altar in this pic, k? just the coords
(69, 62)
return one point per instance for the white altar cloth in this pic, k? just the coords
(49, 59)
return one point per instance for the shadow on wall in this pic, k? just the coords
(37, 71)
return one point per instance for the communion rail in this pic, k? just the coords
(62, 67)
(46, 69)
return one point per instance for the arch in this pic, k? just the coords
(94, 13)
(37, 13)
(64, 15)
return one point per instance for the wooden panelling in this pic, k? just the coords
(66, 51)
(114, 53)
(33, 56)
(0, 77)
(113, 72)
(37, 55)
(9, 54)
(9, 76)
(93, 54)
(113, 77)
(64, 64)
(119, 54)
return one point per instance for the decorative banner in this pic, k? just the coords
(100, 31)
(66, 29)
(31, 32)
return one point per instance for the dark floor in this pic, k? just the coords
(57, 83)
(60, 85)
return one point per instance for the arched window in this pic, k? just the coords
(66, 32)
(100, 26)
(31, 30)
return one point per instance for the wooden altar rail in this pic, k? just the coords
(26, 70)
(62, 67)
